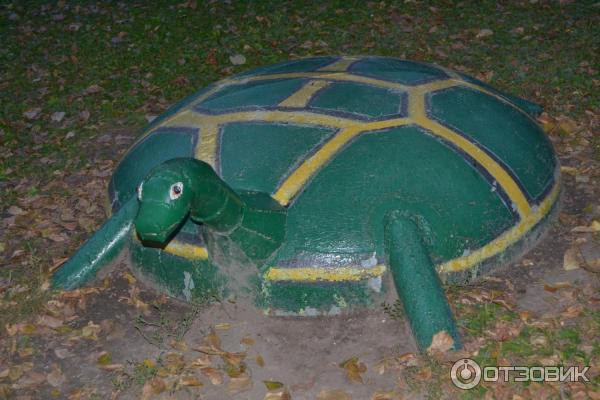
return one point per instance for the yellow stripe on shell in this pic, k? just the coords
(314, 274)
(508, 238)
(417, 113)
(301, 175)
(340, 65)
(302, 96)
(206, 149)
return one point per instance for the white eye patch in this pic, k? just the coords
(176, 190)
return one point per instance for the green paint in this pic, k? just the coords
(276, 150)
(252, 94)
(530, 108)
(184, 186)
(505, 131)
(349, 98)
(417, 282)
(98, 251)
(161, 145)
(177, 276)
(393, 69)
(430, 180)
(320, 298)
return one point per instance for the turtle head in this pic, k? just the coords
(165, 197)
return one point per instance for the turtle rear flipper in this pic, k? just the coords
(99, 250)
(417, 283)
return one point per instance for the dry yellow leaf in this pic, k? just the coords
(247, 341)
(213, 340)
(572, 258)
(282, 394)
(223, 326)
(354, 369)
(238, 384)
(233, 358)
(215, 376)
(273, 385)
(130, 278)
(190, 381)
(154, 386)
(260, 361)
(333, 394)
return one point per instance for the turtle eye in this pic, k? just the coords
(139, 192)
(176, 190)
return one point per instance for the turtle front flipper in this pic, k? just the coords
(417, 282)
(99, 250)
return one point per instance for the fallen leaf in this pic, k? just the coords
(49, 321)
(594, 227)
(260, 361)
(333, 394)
(32, 113)
(90, 331)
(441, 342)
(190, 381)
(237, 59)
(130, 278)
(214, 375)
(385, 396)
(239, 384)
(57, 116)
(104, 358)
(572, 258)
(154, 386)
(484, 33)
(282, 394)
(273, 385)
(354, 368)
(247, 341)
(56, 378)
(553, 287)
(14, 210)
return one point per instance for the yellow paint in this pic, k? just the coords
(417, 113)
(340, 65)
(330, 76)
(301, 98)
(503, 241)
(313, 274)
(186, 250)
(206, 149)
(297, 179)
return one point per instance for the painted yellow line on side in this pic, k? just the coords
(302, 96)
(314, 274)
(186, 250)
(503, 241)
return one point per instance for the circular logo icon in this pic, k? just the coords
(465, 374)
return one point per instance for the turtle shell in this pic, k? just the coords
(343, 141)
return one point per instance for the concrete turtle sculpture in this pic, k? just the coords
(313, 186)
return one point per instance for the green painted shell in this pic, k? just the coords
(341, 142)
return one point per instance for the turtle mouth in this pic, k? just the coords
(156, 227)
